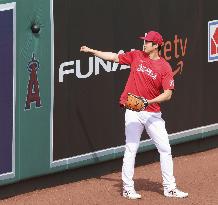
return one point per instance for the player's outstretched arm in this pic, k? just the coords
(103, 55)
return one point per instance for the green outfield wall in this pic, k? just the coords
(32, 127)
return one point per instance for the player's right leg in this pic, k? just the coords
(133, 131)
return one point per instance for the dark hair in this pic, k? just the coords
(159, 46)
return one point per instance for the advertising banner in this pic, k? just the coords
(86, 112)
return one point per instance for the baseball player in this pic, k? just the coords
(150, 77)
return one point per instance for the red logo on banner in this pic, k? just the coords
(214, 43)
(33, 84)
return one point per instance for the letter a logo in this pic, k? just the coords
(33, 84)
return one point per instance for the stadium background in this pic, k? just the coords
(79, 121)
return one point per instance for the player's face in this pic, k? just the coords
(148, 47)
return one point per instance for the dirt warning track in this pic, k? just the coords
(196, 174)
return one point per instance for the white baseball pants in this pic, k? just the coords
(135, 122)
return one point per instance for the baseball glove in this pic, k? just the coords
(135, 103)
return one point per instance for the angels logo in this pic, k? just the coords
(213, 41)
(171, 83)
(33, 84)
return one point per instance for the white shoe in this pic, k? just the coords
(175, 193)
(131, 194)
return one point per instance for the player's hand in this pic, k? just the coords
(85, 49)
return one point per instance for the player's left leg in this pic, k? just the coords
(155, 127)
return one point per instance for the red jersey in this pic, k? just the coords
(147, 77)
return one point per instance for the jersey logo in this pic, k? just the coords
(147, 71)
(171, 83)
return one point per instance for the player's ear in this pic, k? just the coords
(156, 46)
